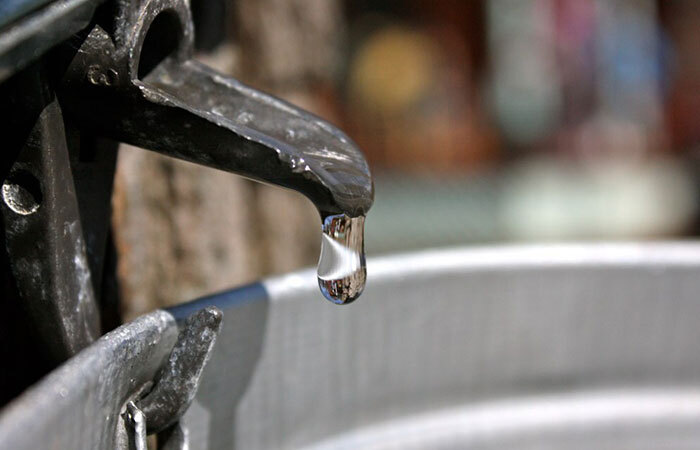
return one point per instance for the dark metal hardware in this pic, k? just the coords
(137, 420)
(177, 381)
(129, 86)
(44, 238)
(176, 384)
(76, 77)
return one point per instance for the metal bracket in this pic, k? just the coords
(177, 382)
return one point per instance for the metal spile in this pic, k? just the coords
(140, 85)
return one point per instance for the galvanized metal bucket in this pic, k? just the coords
(566, 346)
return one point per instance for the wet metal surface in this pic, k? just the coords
(309, 148)
(133, 88)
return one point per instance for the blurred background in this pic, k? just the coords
(484, 121)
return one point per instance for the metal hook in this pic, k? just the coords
(178, 380)
(136, 418)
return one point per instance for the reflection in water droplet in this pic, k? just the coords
(341, 267)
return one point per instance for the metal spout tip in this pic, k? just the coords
(186, 110)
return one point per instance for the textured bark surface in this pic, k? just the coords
(288, 44)
(183, 231)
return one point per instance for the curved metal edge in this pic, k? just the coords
(225, 300)
(510, 420)
(136, 32)
(444, 328)
(233, 362)
(426, 263)
(88, 391)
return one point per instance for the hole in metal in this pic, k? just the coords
(21, 192)
(162, 40)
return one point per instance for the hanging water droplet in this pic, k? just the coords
(341, 267)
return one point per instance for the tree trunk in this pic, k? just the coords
(183, 230)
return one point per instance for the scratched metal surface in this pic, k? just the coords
(78, 405)
(443, 337)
